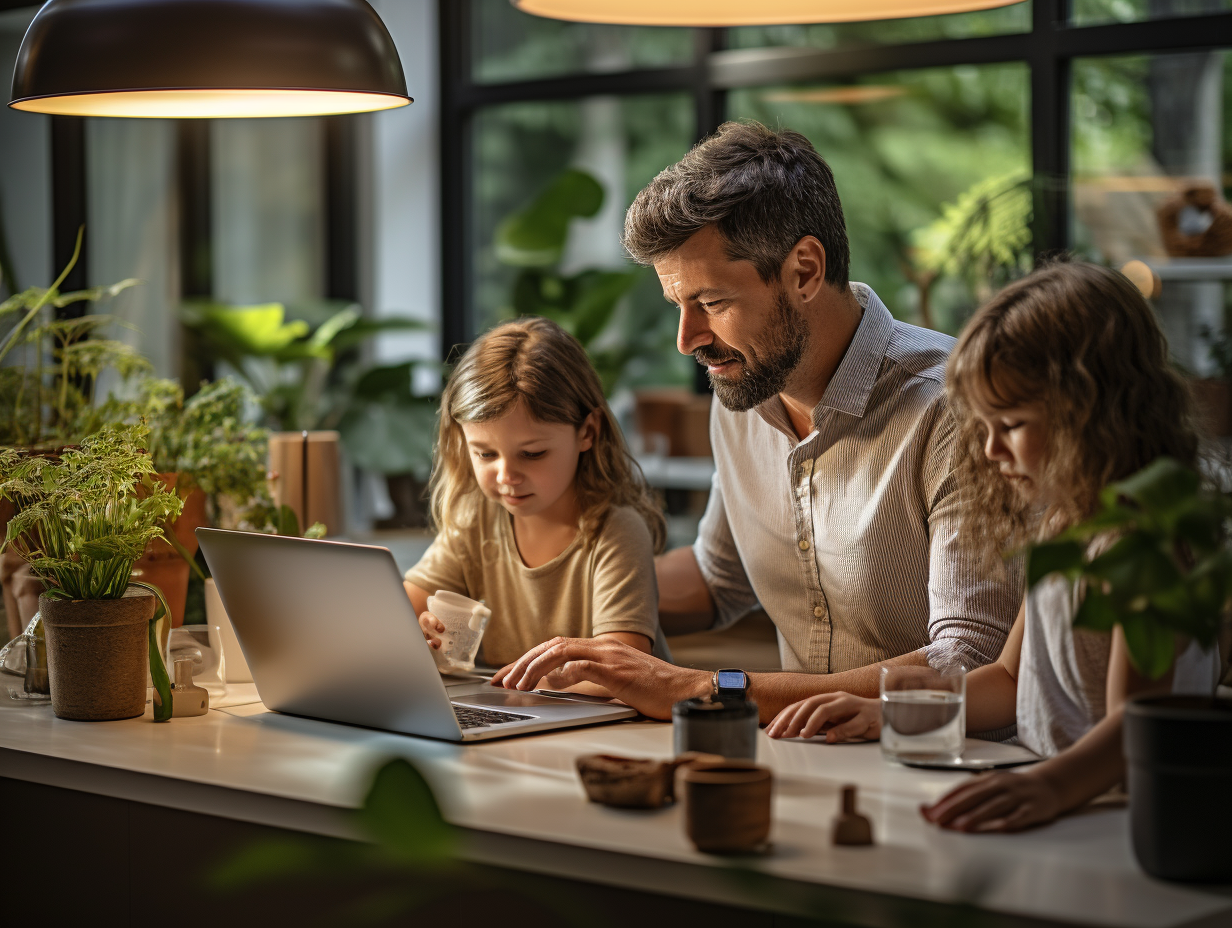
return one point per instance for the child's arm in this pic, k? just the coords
(992, 693)
(632, 639)
(1088, 768)
(429, 624)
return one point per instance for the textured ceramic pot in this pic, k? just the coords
(97, 654)
(726, 805)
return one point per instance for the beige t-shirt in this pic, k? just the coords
(590, 588)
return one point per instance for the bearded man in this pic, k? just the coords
(833, 505)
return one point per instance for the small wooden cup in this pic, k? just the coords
(726, 804)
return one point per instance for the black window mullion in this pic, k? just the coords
(457, 266)
(1050, 127)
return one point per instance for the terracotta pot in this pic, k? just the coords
(161, 565)
(1213, 399)
(97, 654)
(726, 805)
(21, 587)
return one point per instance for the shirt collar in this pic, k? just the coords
(853, 381)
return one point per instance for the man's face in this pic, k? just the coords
(746, 332)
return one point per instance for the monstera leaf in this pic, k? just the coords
(536, 236)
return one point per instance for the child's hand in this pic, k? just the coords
(431, 627)
(997, 802)
(841, 716)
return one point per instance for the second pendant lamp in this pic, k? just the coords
(744, 12)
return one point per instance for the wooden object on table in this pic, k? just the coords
(319, 498)
(851, 828)
(726, 805)
(632, 783)
(1197, 223)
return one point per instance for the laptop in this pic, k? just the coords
(329, 633)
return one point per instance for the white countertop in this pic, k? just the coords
(523, 806)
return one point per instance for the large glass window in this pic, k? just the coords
(510, 45)
(1149, 132)
(622, 142)
(902, 147)
(1093, 12)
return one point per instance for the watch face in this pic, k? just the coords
(732, 680)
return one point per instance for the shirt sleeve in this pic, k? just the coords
(441, 567)
(720, 564)
(625, 597)
(972, 602)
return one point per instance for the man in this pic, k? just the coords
(833, 505)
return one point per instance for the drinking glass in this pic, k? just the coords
(465, 621)
(923, 713)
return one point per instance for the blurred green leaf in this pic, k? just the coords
(1053, 556)
(1159, 487)
(1150, 642)
(1096, 612)
(536, 236)
(391, 436)
(401, 813)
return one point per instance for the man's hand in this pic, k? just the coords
(646, 683)
(997, 802)
(841, 716)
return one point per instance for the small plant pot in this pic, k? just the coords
(1179, 755)
(726, 805)
(97, 654)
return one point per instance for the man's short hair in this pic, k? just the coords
(764, 190)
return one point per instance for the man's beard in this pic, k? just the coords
(763, 377)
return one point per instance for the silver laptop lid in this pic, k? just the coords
(329, 632)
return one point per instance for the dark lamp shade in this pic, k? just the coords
(207, 59)
(744, 12)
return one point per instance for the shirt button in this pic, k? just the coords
(818, 611)
(804, 545)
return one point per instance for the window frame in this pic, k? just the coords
(1048, 48)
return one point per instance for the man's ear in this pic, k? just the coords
(804, 271)
(588, 431)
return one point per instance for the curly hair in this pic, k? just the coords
(536, 362)
(1080, 341)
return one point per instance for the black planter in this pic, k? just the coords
(1179, 755)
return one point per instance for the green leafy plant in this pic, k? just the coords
(1166, 571)
(85, 516)
(584, 304)
(47, 399)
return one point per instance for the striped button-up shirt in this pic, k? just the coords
(849, 539)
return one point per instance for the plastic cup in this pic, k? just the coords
(465, 621)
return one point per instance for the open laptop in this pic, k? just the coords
(329, 633)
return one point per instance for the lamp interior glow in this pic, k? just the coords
(211, 104)
(743, 12)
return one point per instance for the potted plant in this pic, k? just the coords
(83, 519)
(49, 369)
(1167, 573)
(204, 450)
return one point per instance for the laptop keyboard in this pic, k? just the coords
(478, 718)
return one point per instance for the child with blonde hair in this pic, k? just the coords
(539, 508)
(1059, 386)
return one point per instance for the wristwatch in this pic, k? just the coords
(730, 684)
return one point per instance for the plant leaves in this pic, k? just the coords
(400, 812)
(1160, 487)
(1053, 556)
(1150, 642)
(391, 436)
(536, 236)
(1096, 612)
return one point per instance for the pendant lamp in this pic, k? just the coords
(744, 12)
(207, 58)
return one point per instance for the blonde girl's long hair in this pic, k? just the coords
(536, 362)
(1080, 340)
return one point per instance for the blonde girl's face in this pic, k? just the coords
(1016, 440)
(526, 465)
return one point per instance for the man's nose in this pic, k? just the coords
(694, 331)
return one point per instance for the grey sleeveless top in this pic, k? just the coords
(1063, 671)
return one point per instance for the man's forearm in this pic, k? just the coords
(685, 605)
(773, 692)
